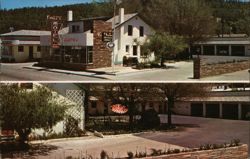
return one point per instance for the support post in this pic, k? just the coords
(204, 109)
(239, 111)
(221, 111)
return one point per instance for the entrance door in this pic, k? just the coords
(31, 53)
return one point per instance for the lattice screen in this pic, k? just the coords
(76, 111)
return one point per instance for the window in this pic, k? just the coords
(75, 28)
(134, 50)
(20, 48)
(90, 54)
(93, 104)
(38, 49)
(127, 48)
(141, 31)
(130, 30)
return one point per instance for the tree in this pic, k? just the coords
(23, 110)
(172, 92)
(192, 19)
(163, 45)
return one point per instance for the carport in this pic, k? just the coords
(230, 111)
(213, 110)
(225, 104)
(197, 109)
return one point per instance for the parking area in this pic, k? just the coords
(194, 132)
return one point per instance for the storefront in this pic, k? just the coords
(21, 46)
(78, 50)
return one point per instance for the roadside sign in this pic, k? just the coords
(110, 45)
(107, 36)
(55, 27)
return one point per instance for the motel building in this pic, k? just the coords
(226, 45)
(21, 45)
(84, 43)
(222, 102)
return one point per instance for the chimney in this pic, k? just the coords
(70, 16)
(121, 15)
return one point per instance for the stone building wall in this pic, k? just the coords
(203, 69)
(102, 56)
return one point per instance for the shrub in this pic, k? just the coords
(104, 155)
(156, 152)
(130, 155)
(150, 119)
(155, 64)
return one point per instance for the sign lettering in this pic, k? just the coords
(107, 36)
(55, 27)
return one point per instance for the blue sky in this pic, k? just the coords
(11, 4)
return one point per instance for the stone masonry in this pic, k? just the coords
(101, 54)
(202, 69)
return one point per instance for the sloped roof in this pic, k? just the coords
(26, 33)
(127, 17)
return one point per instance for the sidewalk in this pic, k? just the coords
(117, 70)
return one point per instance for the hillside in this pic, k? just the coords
(235, 14)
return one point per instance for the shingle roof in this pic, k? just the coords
(127, 17)
(27, 33)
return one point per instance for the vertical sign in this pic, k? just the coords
(55, 27)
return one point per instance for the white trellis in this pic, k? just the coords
(76, 111)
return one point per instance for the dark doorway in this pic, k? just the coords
(212, 110)
(230, 111)
(31, 52)
(238, 50)
(197, 109)
(245, 111)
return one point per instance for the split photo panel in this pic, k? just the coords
(116, 79)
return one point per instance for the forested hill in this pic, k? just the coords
(35, 17)
(235, 14)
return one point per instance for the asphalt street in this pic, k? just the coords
(179, 71)
(17, 72)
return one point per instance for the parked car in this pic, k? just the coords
(7, 135)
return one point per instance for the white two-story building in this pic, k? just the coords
(82, 43)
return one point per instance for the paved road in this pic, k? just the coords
(17, 72)
(197, 131)
(179, 71)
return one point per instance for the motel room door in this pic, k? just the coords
(31, 52)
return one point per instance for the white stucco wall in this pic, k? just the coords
(71, 39)
(24, 56)
(247, 50)
(80, 24)
(182, 108)
(121, 40)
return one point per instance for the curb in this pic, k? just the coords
(91, 72)
(68, 73)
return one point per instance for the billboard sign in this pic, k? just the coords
(55, 27)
